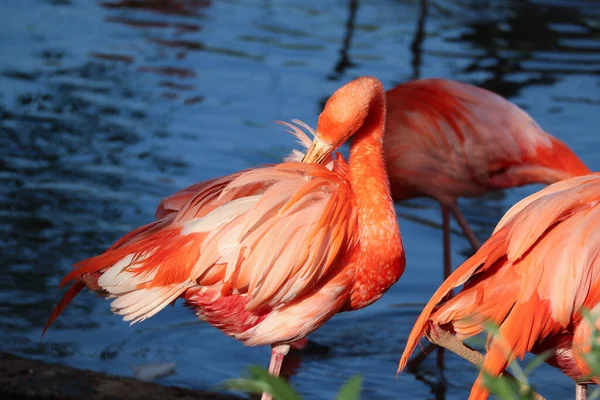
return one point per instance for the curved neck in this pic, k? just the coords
(381, 260)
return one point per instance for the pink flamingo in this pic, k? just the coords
(269, 254)
(533, 278)
(446, 140)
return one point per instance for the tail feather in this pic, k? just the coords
(113, 254)
(146, 248)
(513, 340)
(63, 303)
(140, 246)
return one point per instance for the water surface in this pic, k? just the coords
(106, 107)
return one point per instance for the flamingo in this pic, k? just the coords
(269, 254)
(533, 278)
(446, 140)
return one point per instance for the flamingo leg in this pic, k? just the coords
(447, 248)
(445, 339)
(277, 354)
(447, 270)
(580, 391)
(462, 221)
(446, 210)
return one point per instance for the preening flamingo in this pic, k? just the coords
(533, 278)
(446, 140)
(267, 255)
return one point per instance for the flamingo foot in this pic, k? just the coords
(277, 354)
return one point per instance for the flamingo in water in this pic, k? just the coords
(267, 255)
(533, 278)
(446, 140)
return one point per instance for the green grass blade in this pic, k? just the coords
(351, 389)
(279, 387)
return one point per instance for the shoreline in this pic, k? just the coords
(22, 378)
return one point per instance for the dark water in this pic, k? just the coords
(105, 107)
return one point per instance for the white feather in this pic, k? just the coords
(220, 215)
(138, 305)
(117, 280)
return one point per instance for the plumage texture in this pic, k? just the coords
(268, 254)
(446, 139)
(532, 278)
(270, 234)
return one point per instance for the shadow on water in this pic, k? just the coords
(132, 99)
(344, 60)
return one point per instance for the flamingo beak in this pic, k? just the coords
(318, 151)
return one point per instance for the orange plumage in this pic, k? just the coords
(267, 255)
(446, 140)
(533, 278)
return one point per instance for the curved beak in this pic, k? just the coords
(317, 151)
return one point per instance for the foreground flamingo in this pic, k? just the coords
(446, 140)
(532, 278)
(269, 254)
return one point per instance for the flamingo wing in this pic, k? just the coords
(532, 277)
(174, 202)
(271, 234)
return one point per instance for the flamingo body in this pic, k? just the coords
(446, 139)
(533, 278)
(267, 255)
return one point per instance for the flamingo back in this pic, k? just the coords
(532, 278)
(446, 139)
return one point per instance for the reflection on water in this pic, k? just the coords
(545, 41)
(344, 60)
(105, 107)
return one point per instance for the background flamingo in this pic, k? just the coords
(446, 140)
(532, 278)
(269, 254)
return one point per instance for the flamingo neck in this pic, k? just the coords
(381, 259)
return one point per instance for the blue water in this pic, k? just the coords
(106, 107)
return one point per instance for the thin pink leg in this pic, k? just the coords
(462, 221)
(446, 210)
(447, 270)
(447, 248)
(580, 391)
(277, 354)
